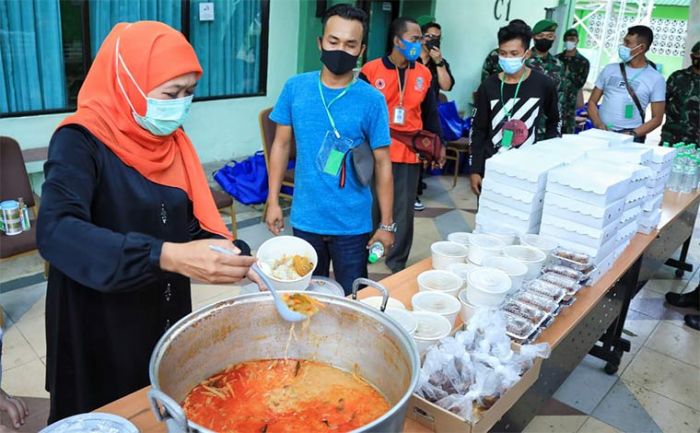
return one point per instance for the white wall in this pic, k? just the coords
(469, 30)
(220, 129)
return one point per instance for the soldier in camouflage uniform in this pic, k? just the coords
(576, 69)
(543, 35)
(683, 103)
(490, 66)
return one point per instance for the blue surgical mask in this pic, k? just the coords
(570, 45)
(411, 50)
(625, 53)
(163, 116)
(510, 65)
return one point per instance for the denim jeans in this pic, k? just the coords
(348, 254)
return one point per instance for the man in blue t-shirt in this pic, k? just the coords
(623, 110)
(332, 117)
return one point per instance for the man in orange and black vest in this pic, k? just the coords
(406, 86)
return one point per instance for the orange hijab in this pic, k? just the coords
(154, 54)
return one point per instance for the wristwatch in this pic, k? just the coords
(442, 63)
(391, 228)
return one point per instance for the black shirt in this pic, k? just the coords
(537, 97)
(434, 72)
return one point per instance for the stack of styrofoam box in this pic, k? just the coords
(513, 190)
(583, 206)
(661, 164)
(570, 147)
(614, 138)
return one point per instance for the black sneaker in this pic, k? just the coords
(418, 206)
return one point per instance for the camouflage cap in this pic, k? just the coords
(545, 26)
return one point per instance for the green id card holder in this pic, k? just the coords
(507, 140)
(332, 153)
(629, 111)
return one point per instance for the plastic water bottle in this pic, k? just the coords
(674, 180)
(376, 252)
(688, 181)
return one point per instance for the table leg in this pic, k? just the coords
(680, 264)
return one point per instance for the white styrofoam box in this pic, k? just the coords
(516, 198)
(629, 155)
(585, 143)
(555, 146)
(639, 174)
(584, 183)
(659, 179)
(522, 169)
(626, 232)
(582, 212)
(663, 155)
(636, 197)
(630, 215)
(620, 250)
(653, 202)
(651, 219)
(615, 138)
(581, 234)
(596, 255)
(658, 189)
(491, 212)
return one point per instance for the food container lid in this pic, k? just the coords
(462, 238)
(524, 253)
(510, 266)
(431, 326)
(327, 286)
(9, 204)
(376, 302)
(94, 422)
(487, 242)
(404, 317)
(539, 241)
(462, 270)
(449, 249)
(436, 302)
(490, 280)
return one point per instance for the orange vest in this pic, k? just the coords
(384, 76)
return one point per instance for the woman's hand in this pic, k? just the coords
(196, 260)
(15, 408)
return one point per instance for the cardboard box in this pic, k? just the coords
(440, 420)
(578, 233)
(581, 212)
(589, 184)
(614, 138)
(518, 199)
(521, 169)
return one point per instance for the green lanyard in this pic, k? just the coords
(517, 89)
(328, 106)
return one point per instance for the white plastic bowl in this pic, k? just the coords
(405, 318)
(543, 243)
(515, 269)
(487, 287)
(445, 253)
(461, 238)
(436, 302)
(462, 270)
(484, 246)
(440, 281)
(531, 257)
(376, 302)
(507, 234)
(279, 246)
(431, 329)
(467, 310)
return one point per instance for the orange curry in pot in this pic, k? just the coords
(270, 396)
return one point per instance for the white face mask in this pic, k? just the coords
(163, 116)
(570, 45)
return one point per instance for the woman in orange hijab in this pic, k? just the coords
(126, 220)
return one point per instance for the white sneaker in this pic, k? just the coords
(418, 206)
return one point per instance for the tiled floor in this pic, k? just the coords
(657, 387)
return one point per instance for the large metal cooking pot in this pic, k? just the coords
(345, 334)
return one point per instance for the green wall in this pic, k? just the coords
(417, 8)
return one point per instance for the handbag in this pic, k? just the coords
(363, 163)
(425, 143)
(245, 180)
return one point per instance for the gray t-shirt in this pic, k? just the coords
(648, 84)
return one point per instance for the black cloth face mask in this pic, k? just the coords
(543, 45)
(338, 62)
(429, 44)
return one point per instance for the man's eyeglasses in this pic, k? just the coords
(431, 37)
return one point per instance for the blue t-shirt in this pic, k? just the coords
(320, 206)
(648, 84)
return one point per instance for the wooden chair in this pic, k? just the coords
(14, 183)
(267, 133)
(456, 148)
(226, 203)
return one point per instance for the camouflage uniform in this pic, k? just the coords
(575, 74)
(553, 68)
(490, 66)
(682, 108)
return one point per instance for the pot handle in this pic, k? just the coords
(171, 412)
(367, 282)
